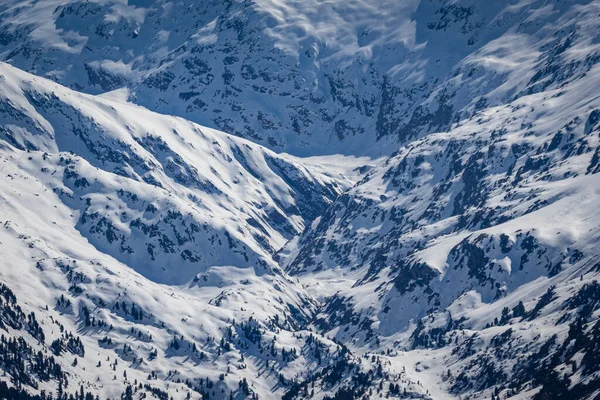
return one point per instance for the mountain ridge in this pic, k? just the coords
(277, 73)
(445, 247)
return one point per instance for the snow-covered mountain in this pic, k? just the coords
(149, 237)
(307, 77)
(464, 236)
(135, 175)
(430, 231)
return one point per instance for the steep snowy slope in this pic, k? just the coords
(428, 249)
(146, 255)
(159, 193)
(136, 254)
(309, 77)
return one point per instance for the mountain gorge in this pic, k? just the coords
(395, 199)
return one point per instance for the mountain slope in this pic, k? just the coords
(144, 255)
(499, 212)
(307, 77)
(161, 186)
(137, 250)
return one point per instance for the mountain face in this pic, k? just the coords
(489, 225)
(462, 238)
(155, 190)
(396, 199)
(148, 242)
(306, 77)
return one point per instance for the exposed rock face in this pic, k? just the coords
(306, 77)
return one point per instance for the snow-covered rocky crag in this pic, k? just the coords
(397, 199)
(307, 77)
(483, 237)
